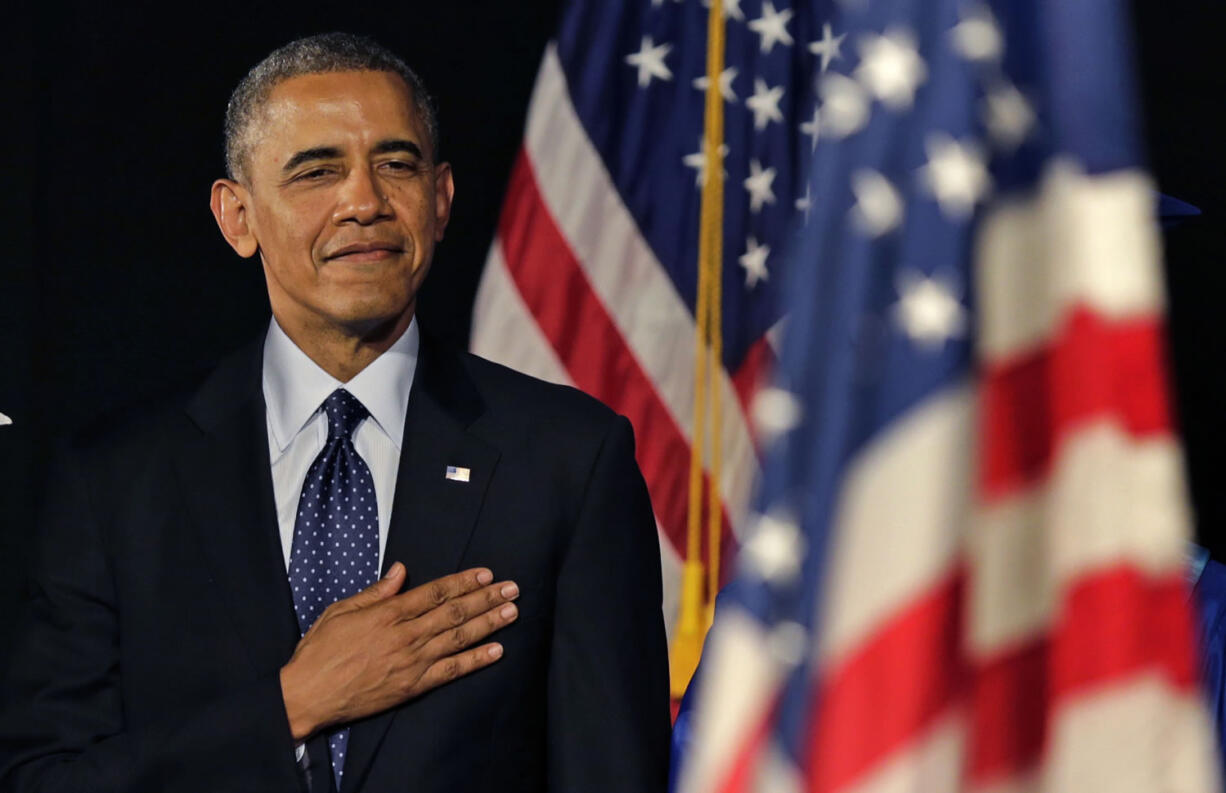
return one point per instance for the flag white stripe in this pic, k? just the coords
(900, 519)
(1137, 736)
(930, 762)
(625, 274)
(738, 686)
(1081, 239)
(670, 568)
(1028, 782)
(1109, 499)
(504, 329)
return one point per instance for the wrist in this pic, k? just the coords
(303, 721)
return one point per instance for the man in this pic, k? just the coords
(180, 635)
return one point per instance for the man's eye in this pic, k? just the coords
(400, 166)
(313, 174)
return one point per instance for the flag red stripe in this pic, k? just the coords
(1115, 623)
(1093, 368)
(581, 331)
(899, 682)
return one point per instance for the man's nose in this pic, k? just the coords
(361, 199)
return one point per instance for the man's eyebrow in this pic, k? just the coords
(306, 155)
(398, 144)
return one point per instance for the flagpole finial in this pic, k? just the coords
(691, 630)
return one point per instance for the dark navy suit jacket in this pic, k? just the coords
(160, 612)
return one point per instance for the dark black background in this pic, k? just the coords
(115, 284)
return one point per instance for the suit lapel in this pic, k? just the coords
(432, 516)
(227, 483)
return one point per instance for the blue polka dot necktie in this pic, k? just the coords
(335, 551)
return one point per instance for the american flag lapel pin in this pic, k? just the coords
(457, 473)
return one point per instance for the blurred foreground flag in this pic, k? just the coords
(967, 573)
(597, 276)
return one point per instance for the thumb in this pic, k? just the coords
(389, 584)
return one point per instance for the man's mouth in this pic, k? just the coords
(366, 252)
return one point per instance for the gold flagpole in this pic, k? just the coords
(696, 599)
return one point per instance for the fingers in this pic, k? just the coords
(455, 666)
(464, 621)
(431, 595)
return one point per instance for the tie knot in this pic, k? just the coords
(345, 412)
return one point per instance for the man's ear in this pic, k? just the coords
(230, 202)
(444, 191)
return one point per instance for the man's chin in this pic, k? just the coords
(376, 326)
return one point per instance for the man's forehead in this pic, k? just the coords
(370, 103)
(357, 81)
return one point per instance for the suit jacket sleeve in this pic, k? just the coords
(608, 676)
(62, 725)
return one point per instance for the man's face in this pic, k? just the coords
(345, 202)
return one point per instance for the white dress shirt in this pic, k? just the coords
(294, 390)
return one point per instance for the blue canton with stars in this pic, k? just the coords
(335, 551)
(636, 73)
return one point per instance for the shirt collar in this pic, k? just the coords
(295, 386)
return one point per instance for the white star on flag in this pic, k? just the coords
(754, 262)
(879, 207)
(844, 110)
(1007, 115)
(813, 128)
(928, 310)
(828, 47)
(891, 68)
(772, 26)
(764, 103)
(725, 83)
(732, 9)
(775, 548)
(775, 411)
(758, 183)
(977, 37)
(649, 60)
(955, 174)
(5, 420)
(698, 160)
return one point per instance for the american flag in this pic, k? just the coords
(592, 279)
(967, 566)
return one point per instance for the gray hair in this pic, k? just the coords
(326, 52)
